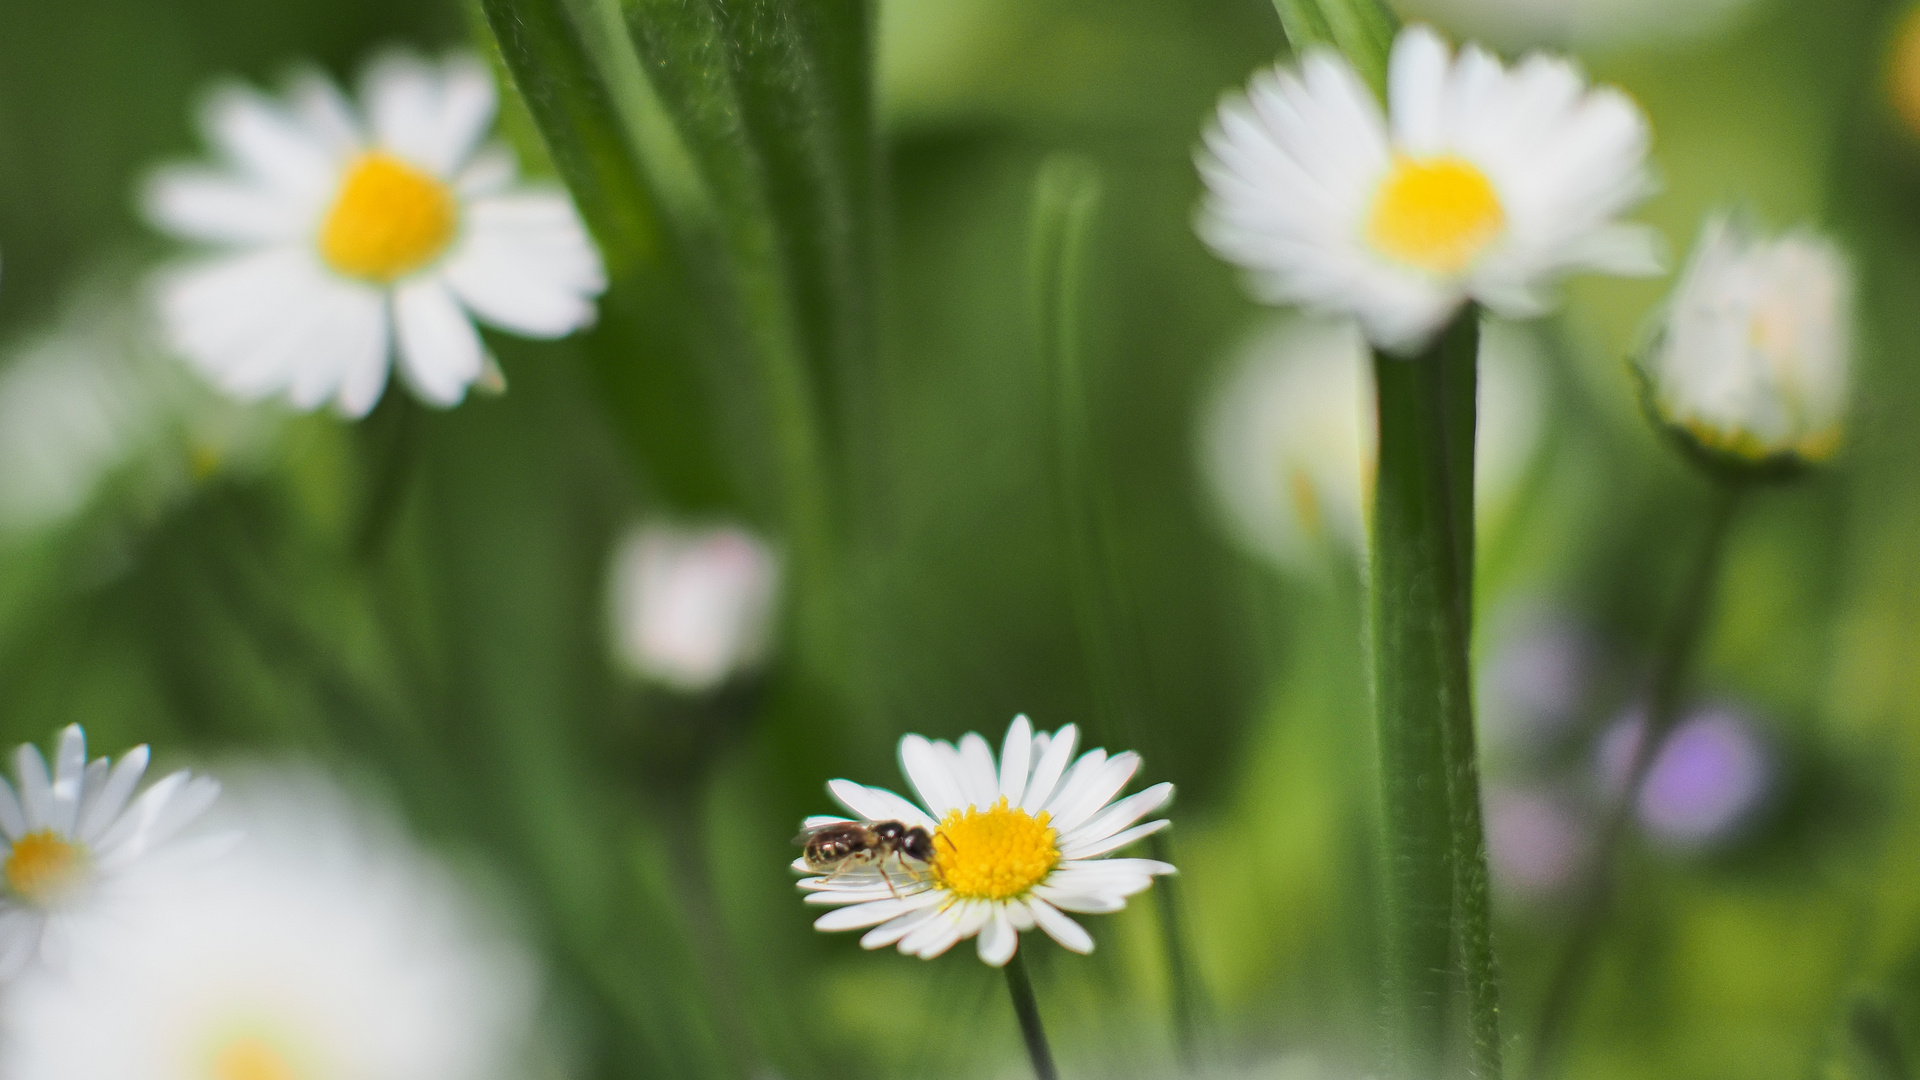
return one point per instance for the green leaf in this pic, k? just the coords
(1361, 30)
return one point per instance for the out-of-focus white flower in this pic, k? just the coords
(1290, 437)
(345, 235)
(90, 398)
(692, 607)
(1481, 183)
(1014, 846)
(324, 945)
(1754, 356)
(1706, 780)
(75, 838)
(1584, 24)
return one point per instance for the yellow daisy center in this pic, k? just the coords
(993, 854)
(45, 866)
(388, 220)
(1435, 213)
(249, 1058)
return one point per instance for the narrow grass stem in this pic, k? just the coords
(1672, 664)
(1066, 199)
(1028, 1012)
(1433, 868)
(393, 449)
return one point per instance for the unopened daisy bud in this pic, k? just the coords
(693, 608)
(988, 851)
(1751, 366)
(1478, 183)
(340, 235)
(75, 837)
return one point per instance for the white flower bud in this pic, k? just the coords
(692, 607)
(1752, 365)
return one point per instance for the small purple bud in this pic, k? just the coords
(1535, 841)
(1706, 781)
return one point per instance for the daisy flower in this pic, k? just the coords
(1480, 183)
(73, 838)
(1287, 440)
(1753, 360)
(1015, 846)
(344, 235)
(324, 945)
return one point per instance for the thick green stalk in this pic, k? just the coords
(1027, 1010)
(1421, 552)
(1066, 198)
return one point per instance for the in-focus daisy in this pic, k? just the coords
(1016, 845)
(1288, 438)
(343, 236)
(1481, 183)
(74, 838)
(1752, 363)
(691, 607)
(323, 946)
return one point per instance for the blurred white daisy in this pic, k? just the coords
(74, 838)
(1015, 846)
(344, 235)
(325, 945)
(1288, 440)
(1481, 183)
(89, 406)
(693, 607)
(1754, 357)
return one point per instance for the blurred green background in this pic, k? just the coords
(230, 582)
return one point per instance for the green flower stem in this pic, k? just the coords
(1434, 872)
(1028, 1011)
(1664, 695)
(1362, 30)
(1066, 199)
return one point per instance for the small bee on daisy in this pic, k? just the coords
(1751, 365)
(341, 237)
(1479, 183)
(74, 835)
(1012, 846)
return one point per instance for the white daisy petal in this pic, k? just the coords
(525, 264)
(877, 804)
(929, 776)
(890, 933)
(1103, 785)
(1086, 903)
(19, 940)
(36, 789)
(325, 113)
(440, 352)
(977, 775)
(267, 144)
(69, 779)
(202, 204)
(944, 927)
(401, 98)
(153, 818)
(873, 913)
(1118, 816)
(1014, 760)
(1092, 848)
(814, 821)
(1071, 935)
(1019, 915)
(1051, 766)
(13, 820)
(998, 940)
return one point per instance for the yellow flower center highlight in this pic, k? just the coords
(249, 1058)
(1435, 213)
(388, 220)
(44, 867)
(993, 854)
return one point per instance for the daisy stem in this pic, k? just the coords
(1028, 1010)
(1664, 694)
(1434, 868)
(1362, 30)
(1066, 199)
